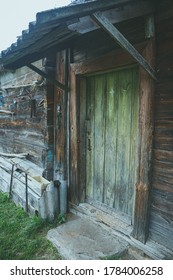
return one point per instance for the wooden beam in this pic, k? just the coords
(104, 23)
(144, 175)
(44, 75)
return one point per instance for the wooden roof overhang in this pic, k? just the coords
(54, 30)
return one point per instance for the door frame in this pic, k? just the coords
(113, 60)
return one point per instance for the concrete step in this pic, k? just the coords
(93, 233)
(82, 239)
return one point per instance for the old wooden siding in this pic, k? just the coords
(23, 125)
(161, 223)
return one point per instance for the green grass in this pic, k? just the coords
(23, 237)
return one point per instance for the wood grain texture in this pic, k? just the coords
(143, 187)
(112, 109)
(161, 219)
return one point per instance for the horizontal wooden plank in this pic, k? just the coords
(163, 143)
(161, 124)
(164, 168)
(165, 131)
(103, 215)
(112, 60)
(164, 101)
(29, 124)
(163, 87)
(163, 115)
(163, 155)
(163, 198)
(162, 182)
(159, 185)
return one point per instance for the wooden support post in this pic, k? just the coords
(61, 118)
(143, 186)
(104, 23)
(66, 104)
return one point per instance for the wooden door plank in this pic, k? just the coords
(74, 151)
(99, 137)
(123, 141)
(104, 23)
(90, 147)
(110, 139)
(134, 136)
(81, 91)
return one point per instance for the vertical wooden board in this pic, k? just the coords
(73, 115)
(90, 143)
(134, 137)
(99, 137)
(123, 140)
(142, 195)
(59, 120)
(81, 85)
(110, 139)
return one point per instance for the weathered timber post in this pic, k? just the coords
(61, 127)
(143, 186)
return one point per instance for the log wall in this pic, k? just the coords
(161, 220)
(23, 116)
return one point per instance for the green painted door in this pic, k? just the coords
(112, 138)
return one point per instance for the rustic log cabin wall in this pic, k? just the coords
(27, 138)
(23, 116)
(161, 220)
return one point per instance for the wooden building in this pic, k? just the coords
(109, 109)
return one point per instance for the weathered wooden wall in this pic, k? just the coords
(23, 118)
(161, 220)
